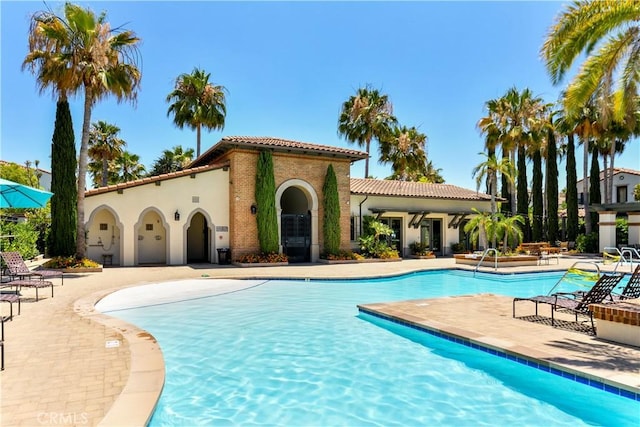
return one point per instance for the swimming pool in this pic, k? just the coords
(291, 353)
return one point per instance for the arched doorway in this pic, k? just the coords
(152, 239)
(103, 237)
(295, 225)
(198, 238)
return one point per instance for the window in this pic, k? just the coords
(149, 227)
(621, 194)
(103, 227)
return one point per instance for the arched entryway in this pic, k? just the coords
(295, 225)
(103, 236)
(198, 239)
(152, 239)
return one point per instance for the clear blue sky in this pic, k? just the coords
(289, 66)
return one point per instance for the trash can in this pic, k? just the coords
(224, 256)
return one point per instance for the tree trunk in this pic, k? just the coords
(366, 161)
(81, 247)
(198, 132)
(105, 172)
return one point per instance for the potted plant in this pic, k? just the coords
(421, 250)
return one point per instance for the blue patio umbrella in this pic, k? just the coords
(14, 195)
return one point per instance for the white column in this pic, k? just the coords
(634, 228)
(607, 230)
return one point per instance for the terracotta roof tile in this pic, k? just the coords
(379, 187)
(155, 178)
(276, 143)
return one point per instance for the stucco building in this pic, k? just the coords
(185, 217)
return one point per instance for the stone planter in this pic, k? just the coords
(422, 256)
(357, 261)
(260, 264)
(78, 270)
(503, 261)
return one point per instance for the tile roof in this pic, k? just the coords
(379, 187)
(278, 144)
(155, 178)
(616, 171)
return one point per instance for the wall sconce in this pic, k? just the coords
(254, 209)
(176, 216)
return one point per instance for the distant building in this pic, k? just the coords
(624, 181)
(44, 175)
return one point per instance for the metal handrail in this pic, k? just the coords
(610, 249)
(571, 268)
(484, 254)
(630, 252)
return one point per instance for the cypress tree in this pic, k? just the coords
(265, 194)
(595, 195)
(331, 220)
(62, 237)
(522, 202)
(536, 195)
(552, 188)
(572, 191)
(505, 193)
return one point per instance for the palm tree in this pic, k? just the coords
(105, 146)
(172, 160)
(80, 51)
(128, 167)
(433, 174)
(608, 34)
(365, 116)
(195, 102)
(509, 229)
(478, 226)
(489, 169)
(404, 148)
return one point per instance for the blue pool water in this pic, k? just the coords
(297, 353)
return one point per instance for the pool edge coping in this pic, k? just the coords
(595, 381)
(136, 403)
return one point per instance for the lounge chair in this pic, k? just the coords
(11, 298)
(17, 269)
(31, 283)
(632, 288)
(578, 305)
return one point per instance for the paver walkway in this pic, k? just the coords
(59, 371)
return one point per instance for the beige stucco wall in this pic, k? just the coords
(205, 192)
(438, 209)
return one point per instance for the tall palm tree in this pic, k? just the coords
(129, 167)
(80, 51)
(366, 116)
(105, 146)
(404, 148)
(478, 227)
(607, 32)
(196, 103)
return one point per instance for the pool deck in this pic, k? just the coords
(67, 364)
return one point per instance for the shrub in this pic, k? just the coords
(458, 248)
(25, 237)
(418, 248)
(70, 262)
(331, 222)
(267, 258)
(342, 256)
(587, 243)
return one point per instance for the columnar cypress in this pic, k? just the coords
(522, 202)
(62, 237)
(552, 188)
(505, 192)
(265, 194)
(595, 196)
(536, 196)
(331, 219)
(572, 191)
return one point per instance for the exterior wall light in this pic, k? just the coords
(176, 216)
(254, 209)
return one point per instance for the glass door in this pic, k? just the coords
(431, 234)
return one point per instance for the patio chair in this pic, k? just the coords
(31, 283)
(632, 288)
(17, 269)
(11, 298)
(578, 305)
